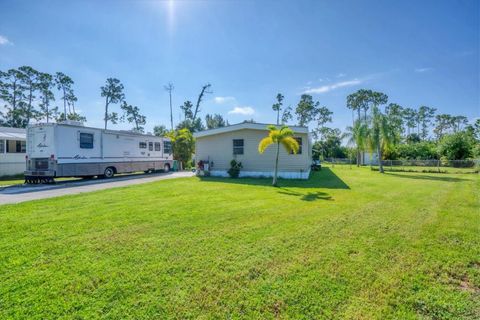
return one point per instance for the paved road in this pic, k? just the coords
(21, 193)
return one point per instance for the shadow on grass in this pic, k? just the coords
(318, 179)
(309, 196)
(426, 177)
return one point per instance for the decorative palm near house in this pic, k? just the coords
(277, 137)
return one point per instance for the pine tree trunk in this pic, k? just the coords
(64, 106)
(30, 99)
(106, 112)
(171, 112)
(276, 166)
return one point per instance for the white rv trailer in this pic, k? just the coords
(72, 150)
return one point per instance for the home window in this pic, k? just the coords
(167, 147)
(157, 146)
(150, 146)
(237, 146)
(142, 145)
(15, 146)
(299, 140)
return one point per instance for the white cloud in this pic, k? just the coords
(4, 40)
(222, 100)
(341, 75)
(330, 87)
(420, 70)
(246, 111)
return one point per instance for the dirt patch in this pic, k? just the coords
(468, 286)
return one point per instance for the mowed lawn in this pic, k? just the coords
(347, 244)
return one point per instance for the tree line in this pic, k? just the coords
(30, 95)
(387, 129)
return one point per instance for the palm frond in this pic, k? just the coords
(290, 144)
(264, 143)
(271, 127)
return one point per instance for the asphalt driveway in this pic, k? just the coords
(21, 193)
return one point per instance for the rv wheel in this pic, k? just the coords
(109, 172)
(166, 168)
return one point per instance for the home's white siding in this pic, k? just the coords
(218, 149)
(11, 162)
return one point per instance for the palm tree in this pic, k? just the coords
(357, 136)
(380, 134)
(283, 136)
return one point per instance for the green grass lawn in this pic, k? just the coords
(420, 169)
(426, 169)
(347, 244)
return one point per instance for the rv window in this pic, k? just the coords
(157, 146)
(237, 146)
(150, 146)
(299, 140)
(86, 140)
(167, 147)
(2, 146)
(142, 145)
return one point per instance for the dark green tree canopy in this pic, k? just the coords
(113, 93)
(215, 121)
(46, 86)
(132, 115)
(160, 131)
(306, 109)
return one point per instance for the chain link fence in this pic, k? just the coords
(433, 166)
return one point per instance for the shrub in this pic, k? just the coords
(457, 146)
(410, 151)
(234, 170)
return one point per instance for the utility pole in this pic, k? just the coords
(169, 87)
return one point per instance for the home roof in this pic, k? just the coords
(12, 133)
(242, 126)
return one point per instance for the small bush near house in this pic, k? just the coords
(234, 170)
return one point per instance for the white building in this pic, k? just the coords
(219, 146)
(370, 158)
(12, 151)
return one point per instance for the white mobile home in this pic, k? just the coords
(219, 146)
(72, 150)
(12, 151)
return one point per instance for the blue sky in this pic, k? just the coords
(417, 52)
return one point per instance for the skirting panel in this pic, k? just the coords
(265, 174)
